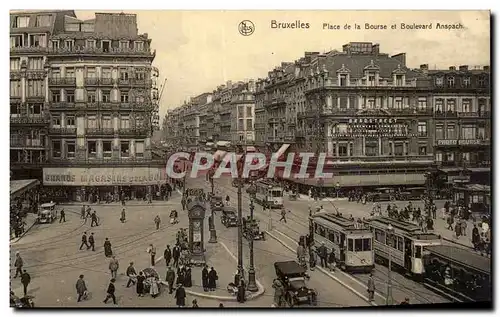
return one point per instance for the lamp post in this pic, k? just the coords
(388, 299)
(252, 285)
(240, 230)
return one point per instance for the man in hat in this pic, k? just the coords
(18, 264)
(131, 273)
(91, 242)
(81, 288)
(84, 241)
(110, 292)
(25, 280)
(170, 279)
(323, 254)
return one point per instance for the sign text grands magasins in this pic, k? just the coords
(103, 176)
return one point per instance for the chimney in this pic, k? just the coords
(401, 57)
(229, 84)
(452, 68)
(375, 49)
(463, 68)
(486, 68)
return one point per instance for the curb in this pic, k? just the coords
(326, 272)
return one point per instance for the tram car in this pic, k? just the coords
(457, 273)
(353, 244)
(269, 194)
(405, 245)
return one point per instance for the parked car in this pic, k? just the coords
(216, 203)
(293, 277)
(228, 217)
(47, 213)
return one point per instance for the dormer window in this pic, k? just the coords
(55, 44)
(21, 22)
(123, 45)
(139, 46)
(399, 80)
(371, 79)
(68, 44)
(42, 21)
(451, 82)
(343, 79)
(466, 82)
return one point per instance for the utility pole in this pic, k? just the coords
(241, 272)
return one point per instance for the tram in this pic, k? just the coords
(461, 274)
(405, 245)
(269, 194)
(353, 244)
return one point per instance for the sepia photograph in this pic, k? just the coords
(250, 159)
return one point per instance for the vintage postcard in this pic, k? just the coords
(273, 159)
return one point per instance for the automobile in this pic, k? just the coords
(216, 203)
(382, 194)
(412, 193)
(47, 213)
(251, 229)
(228, 217)
(293, 277)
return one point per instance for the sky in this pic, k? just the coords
(198, 50)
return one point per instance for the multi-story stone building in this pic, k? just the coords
(174, 126)
(29, 89)
(462, 123)
(102, 105)
(370, 114)
(243, 114)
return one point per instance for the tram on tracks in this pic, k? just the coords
(458, 273)
(405, 244)
(353, 244)
(269, 194)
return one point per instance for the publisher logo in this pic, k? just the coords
(246, 27)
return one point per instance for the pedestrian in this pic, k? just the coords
(18, 264)
(463, 227)
(110, 292)
(283, 215)
(183, 203)
(84, 241)
(240, 296)
(176, 253)
(170, 279)
(81, 288)
(131, 273)
(62, 218)
(332, 261)
(279, 291)
(180, 296)
(91, 242)
(140, 284)
(88, 212)
(154, 289)
(123, 216)
(371, 288)
(180, 275)
(204, 278)
(312, 259)
(113, 267)
(82, 212)
(94, 219)
(157, 222)
(450, 222)
(195, 303)
(212, 279)
(458, 230)
(323, 254)
(25, 280)
(152, 252)
(107, 248)
(188, 281)
(167, 255)
(476, 238)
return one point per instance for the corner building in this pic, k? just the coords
(103, 105)
(370, 114)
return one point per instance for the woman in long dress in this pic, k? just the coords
(107, 248)
(140, 284)
(154, 290)
(187, 278)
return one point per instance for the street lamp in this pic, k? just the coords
(389, 232)
(240, 231)
(252, 285)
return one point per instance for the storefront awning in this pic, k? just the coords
(18, 187)
(223, 143)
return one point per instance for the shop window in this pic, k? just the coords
(92, 149)
(106, 149)
(124, 149)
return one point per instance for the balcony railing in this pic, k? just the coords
(65, 131)
(133, 131)
(91, 81)
(62, 105)
(99, 131)
(475, 114)
(35, 143)
(29, 119)
(62, 81)
(442, 114)
(29, 49)
(98, 51)
(140, 82)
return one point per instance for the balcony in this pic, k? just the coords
(62, 81)
(483, 114)
(29, 120)
(100, 131)
(91, 81)
(29, 49)
(27, 143)
(62, 105)
(360, 85)
(133, 131)
(115, 51)
(106, 81)
(62, 131)
(123, 82)
(141, 83)
(462, 142)
(445, 114)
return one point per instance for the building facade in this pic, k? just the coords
(462, 123)
(102, 103)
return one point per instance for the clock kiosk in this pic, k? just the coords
(196, 214)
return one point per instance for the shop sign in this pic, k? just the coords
(447, 142)
(470, 142)
(103, 176)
